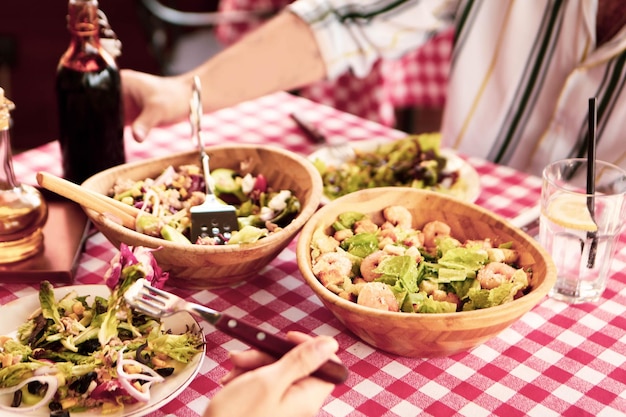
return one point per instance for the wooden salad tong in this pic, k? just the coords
(111, 208)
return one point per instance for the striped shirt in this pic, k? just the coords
(521, 76)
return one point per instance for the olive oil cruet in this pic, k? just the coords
(23, 210)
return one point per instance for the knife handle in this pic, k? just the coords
(276, 346)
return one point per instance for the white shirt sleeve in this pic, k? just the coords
(353, 35)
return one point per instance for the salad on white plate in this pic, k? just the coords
(91, 353)
(415, 161)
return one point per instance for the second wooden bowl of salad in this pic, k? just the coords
(210, 266)
(401, 268)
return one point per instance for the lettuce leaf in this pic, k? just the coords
(14, 374)
(402, 269)
(347, 219)
(505, 292)
(361, 244)
(48, 303)
(467, 259)
(431, 306)
(422, 303)
(16, 348)
(181, 347)
(248, 234)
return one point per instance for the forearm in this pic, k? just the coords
(281, 55)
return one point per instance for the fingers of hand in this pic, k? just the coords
(305, 358)
(300, 362)
(244, 361)
(298, 337)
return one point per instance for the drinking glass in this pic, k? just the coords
(579, 230)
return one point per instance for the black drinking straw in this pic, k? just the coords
(591, 176)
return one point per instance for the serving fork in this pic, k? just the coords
(212, 218)
(159, 303)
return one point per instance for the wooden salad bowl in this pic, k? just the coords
(428, 335)
(199, 266)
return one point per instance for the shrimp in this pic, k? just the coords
(388, 234)
(365, 226)
(494, 273)
(379, 296)
(371, 262)
(433, 230)
(399, 216)
(414, 239)
(331, 268)
(387, 226)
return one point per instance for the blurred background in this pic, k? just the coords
(158, 36)
(33, 36)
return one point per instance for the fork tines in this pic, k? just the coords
(148, 303)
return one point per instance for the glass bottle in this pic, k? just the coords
(23, 210)
(88, 87)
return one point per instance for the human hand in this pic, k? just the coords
(151, 101)
(260, 386)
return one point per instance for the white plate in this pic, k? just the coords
(17, 312)
(454, 163)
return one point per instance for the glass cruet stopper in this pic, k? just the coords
(23, 210)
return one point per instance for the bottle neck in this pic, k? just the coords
(82, 19)
(7, 176)
(6, 106)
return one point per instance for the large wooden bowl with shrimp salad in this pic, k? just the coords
(202, 266)
(435, 334)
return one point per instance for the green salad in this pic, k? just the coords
(414, 161)
(80, 353)
(165, 203)
(395, 267)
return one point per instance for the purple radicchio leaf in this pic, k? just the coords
(129, 256)
(154, 274)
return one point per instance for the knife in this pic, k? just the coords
(528, 220)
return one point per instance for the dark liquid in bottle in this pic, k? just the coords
(91, 121)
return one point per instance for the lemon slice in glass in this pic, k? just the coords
(570, 211)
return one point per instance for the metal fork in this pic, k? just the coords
(158, 303)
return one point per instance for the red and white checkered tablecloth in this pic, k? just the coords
(418, 79)
(557, 360)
